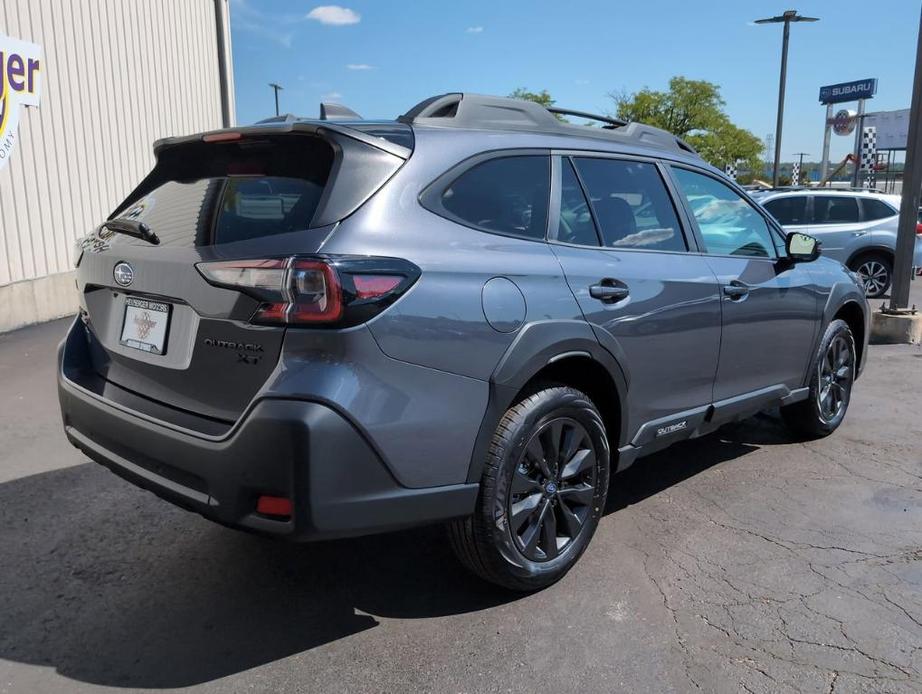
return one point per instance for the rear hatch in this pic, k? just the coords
(158, 331)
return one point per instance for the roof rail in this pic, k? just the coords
(476, 111)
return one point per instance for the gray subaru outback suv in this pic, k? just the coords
(475, 314)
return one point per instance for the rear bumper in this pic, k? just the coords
(304, 451)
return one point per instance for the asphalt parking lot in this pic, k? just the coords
(743, 561)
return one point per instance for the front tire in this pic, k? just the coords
(832, 376)
(542, 492)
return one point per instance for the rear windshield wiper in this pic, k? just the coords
(132, 227)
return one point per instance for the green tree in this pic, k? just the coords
(693, 110)
(543, 97)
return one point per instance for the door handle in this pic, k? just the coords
(608, 293)
(736, 290)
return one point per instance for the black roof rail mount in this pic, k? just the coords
(476, 111)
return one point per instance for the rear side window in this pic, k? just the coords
(790, 210)
(631, 205)
(838, 209)
(876, 209)
(506, 195)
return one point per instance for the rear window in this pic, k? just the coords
(876, 209)
(215, 193)
(839, 209)
(506, 195)
(791, 210)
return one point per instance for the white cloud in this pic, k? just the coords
(474, 30)
(334, 15)
(360, 66)
(331, 96)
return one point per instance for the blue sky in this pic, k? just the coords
(380, 57)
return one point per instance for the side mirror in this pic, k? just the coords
(802, 248)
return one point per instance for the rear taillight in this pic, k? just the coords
(919, 228)
(339, 291)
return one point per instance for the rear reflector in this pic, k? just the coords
(274, 506)
(373, 286)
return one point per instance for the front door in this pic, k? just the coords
(648, 298)
(770, 306)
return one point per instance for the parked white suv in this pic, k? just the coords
(857, 228)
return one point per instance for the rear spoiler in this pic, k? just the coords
(295, 127)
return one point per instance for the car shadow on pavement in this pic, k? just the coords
(659, 471)
(109, 585)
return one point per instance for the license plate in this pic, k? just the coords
(145, 326)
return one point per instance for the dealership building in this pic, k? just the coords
(86, 87)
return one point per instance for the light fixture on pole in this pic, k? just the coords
(277, 88)
(786, 18)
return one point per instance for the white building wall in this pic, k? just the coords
(116, 75)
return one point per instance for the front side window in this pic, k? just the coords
(834, 209)
(729, 224)
(789, 210)
(506, 195)
(876, 209)
(631, 205)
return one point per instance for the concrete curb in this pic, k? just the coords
(888, 329)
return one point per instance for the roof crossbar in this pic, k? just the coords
(616, 122)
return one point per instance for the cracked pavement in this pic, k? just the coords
(742, 561)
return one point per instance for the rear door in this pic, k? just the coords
(769, 306)
(626, 258)
(836, 221)
(156, 328)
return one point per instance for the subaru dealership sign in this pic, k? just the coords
(848, 91)
(20, 85)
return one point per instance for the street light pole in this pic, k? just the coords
(786, 18)
(277, 88)
(912, 191)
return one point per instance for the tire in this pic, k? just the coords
(876, 271)
(831, 380)
(526, 497)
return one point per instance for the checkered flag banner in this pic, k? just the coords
(868, 149)
(795, 174)
(730, 170)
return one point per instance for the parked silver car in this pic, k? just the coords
(857, 228)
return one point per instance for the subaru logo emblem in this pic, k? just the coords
(123, 274)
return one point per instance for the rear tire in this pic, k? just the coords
(542, 492)
(876, 271)
(832, 376)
